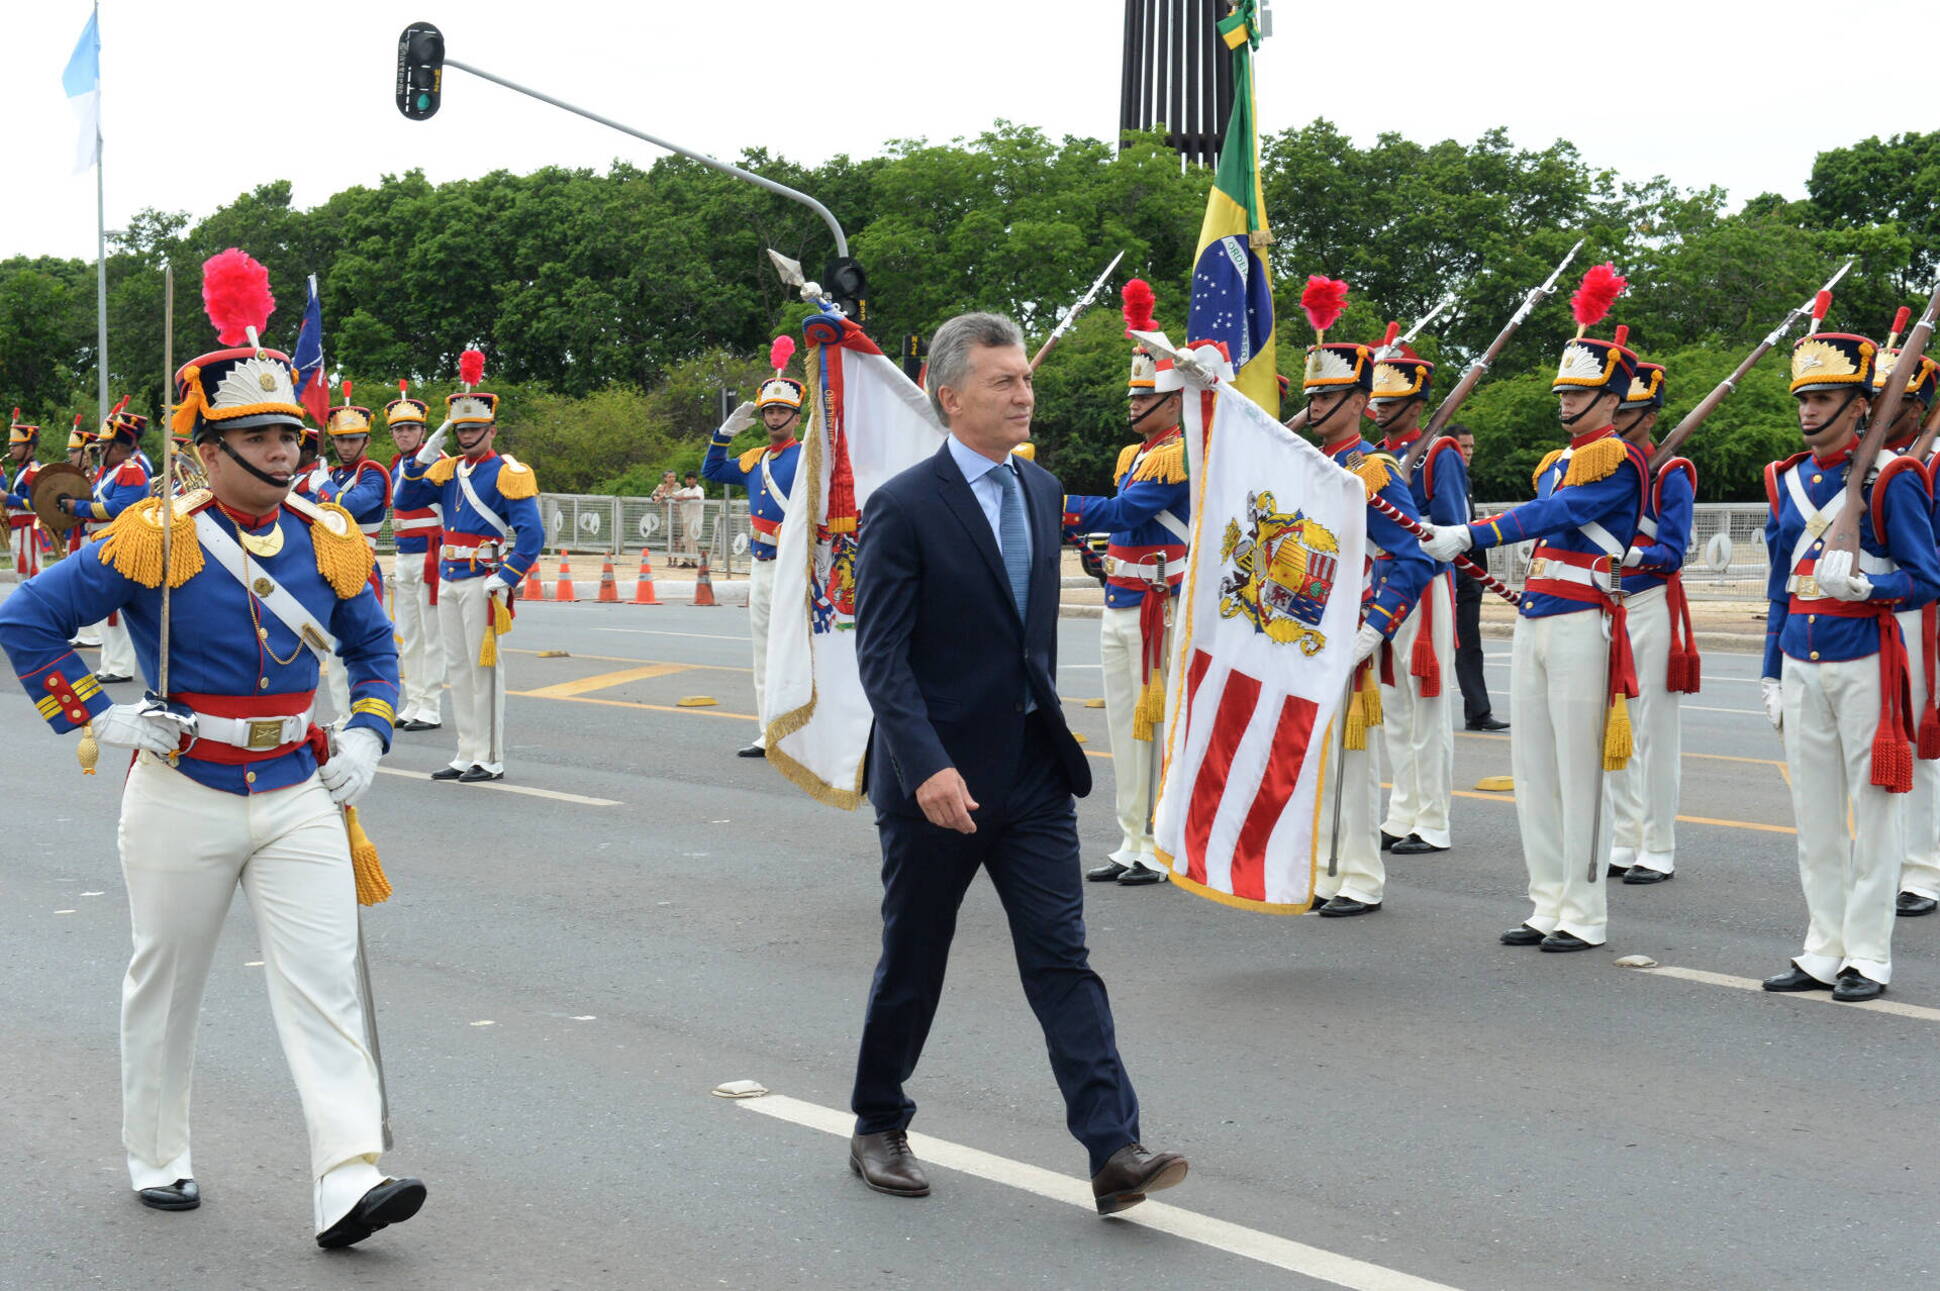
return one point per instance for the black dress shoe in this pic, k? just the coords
(111, 678)
(751, 751)
(1107, 873)
(885, 1163)
(390, 1202)
(1415, 845)
(1488, 724)
(1639, 874)
(414, 725)
(1911, 905)
(1389, 840)
(1855, 986)
(1560, 942)
(1616, 871)
(1342, 907)
(180, 1195)
(1138, 876)
(447, 773)
(1796, 980)
(477, 773)
(1132, 1172)
(1522, 935)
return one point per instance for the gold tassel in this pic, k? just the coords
(501, 616)
(440, 471)
(1355, 735)
(488, 648)
(1617, 745)
(344, 558)
(1598, 461)
(1536, 476)
(516, 480)
(132, 545)
(1125, 456)
(1371, 700)
(1167, 464)
(373, 886)
(88, 751)
(750, 459)
(1376, 471)
(1150, 709)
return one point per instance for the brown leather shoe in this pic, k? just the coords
(1132, 1172)
(886, 1164)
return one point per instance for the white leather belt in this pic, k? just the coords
(409, 528)
(1558, 572)
(1806, 586)
(258, 734)
(1147, 570)
(371, 530)
(484, 551)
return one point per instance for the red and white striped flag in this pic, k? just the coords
(1263, 644)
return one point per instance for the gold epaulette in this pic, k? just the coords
(440, 471)
(1598, 461)
(1166, 464)
(1125, 457)
(1377, 471)
(516, 480)
(750, 459)
(132, 545)
(1549, 460)
(344, 558)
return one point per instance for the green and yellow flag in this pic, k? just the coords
(1232, 291)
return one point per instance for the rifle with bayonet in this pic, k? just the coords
(1386, 349)
(1071, 314)
(1456, 397)
(1844, 534)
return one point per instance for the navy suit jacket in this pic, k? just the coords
(943, 656)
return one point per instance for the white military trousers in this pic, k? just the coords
(1643, 796)
(1558, 697)
(1920, 872)
(761, 597)
(1358, 871)
(477, 693)
(422, 658)
(1419, 732)
(1120, 650)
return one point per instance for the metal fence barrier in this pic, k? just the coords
(1725, 559)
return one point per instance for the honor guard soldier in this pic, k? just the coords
(1570, 662)
(1643, 796)
(362, 487)
(1339, 377)
(415, 525)
(79, 444)
(1148, 521)
(119, 483)
(1418, 723)
(1835, 668)
(23, 526)
(230, 782)
(492, 537)
(1920, 875)
(768, 474)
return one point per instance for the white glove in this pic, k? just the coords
(738, 420)
(352, 765)
(432, 449)
(498, 582)
(1633, 557)
(1446, 542)
(128, 726)
(1366, 643)
(1837, 579)
(1773, 694)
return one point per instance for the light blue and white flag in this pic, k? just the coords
(82, 81)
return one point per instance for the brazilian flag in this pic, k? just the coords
(1232, 292)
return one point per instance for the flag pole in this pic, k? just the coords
(100, 245)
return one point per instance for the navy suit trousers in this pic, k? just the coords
(1028, 842)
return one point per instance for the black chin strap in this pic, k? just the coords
(260, 474)
(1571, 421)
(1316, 425)
(1139, 420)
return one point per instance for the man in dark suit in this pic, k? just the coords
(1477, 713)
(971, 763)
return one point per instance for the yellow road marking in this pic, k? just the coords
(634, 703)
(614, 658)
(602, 681)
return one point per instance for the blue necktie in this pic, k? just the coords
(1011, 537)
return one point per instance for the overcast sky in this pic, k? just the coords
(203, 102)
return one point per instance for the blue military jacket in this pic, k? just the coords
(1151, 514)
(1664, 532)
(767, 506)
(414, 508)
(1402, 570)
(229, 654)
(510, 490)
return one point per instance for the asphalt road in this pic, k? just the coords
(562, 983)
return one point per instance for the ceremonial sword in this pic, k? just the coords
(1071, 314)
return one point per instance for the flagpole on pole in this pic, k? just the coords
(101, 251)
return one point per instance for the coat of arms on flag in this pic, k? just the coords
(1247, 717)
(1279, 573)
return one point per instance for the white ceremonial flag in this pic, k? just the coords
(82, 81)
(867, 423)
(1262, 646)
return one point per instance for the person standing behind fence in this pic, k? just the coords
(768, 474)
(692, 500)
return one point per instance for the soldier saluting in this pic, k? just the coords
(231, 783)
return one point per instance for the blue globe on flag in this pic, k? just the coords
(1232, 301)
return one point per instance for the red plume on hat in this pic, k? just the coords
(235, 291)
(780, 352)
(1139, 302)
(471, 367)
(1325, 300)
(1592, 300)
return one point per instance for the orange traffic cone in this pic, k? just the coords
(703, 585)
(535, 586)
(565, 592)
(643, 588)
(609, 590)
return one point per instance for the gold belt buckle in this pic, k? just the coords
(265, 735)
(1809, 588)
(1537, 566)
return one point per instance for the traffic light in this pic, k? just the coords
(848, 287)
(420, 71)
(915, 350)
